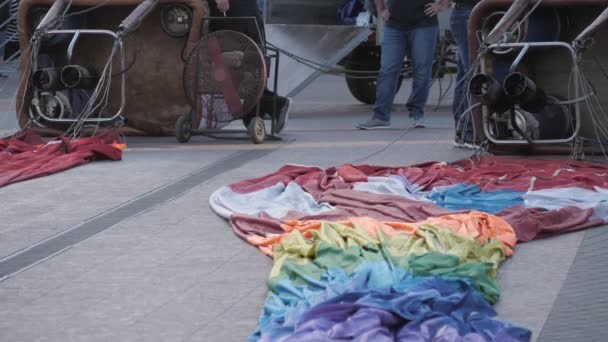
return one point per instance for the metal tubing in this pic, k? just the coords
(507, 21)
(78, 76)
(485, 8)
(275, 86)
(137, 16)
(519, 58)
(517, 128)
(592, 29)
(577, 128)
(123, 77)
(47, 79)
(72, 46)
(55, 11)
(524, 92)
(490, 92)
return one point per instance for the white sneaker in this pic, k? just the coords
(463, 144)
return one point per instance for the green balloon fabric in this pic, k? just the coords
(432, 251)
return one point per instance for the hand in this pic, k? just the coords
(385, 15)
(223, 5)
(433, 8)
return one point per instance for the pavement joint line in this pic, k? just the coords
(56, 244)
(221, 314)
(190, 287)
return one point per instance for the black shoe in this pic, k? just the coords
(284, 104)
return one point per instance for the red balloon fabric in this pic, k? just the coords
(26, 155)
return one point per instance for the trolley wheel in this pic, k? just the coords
(183, 129)
(364, 58)
(257, 130)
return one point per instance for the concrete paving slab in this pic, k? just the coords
(97, 187)
(581, 305)
(531, 280)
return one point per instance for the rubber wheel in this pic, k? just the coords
(364, 58)
(247, 119)
(183, 129)
(257, 130)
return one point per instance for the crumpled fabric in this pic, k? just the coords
(431, 251)
(380, 275)
(479, 225)
(528, 223)
(27, 156)
(489, 173)
(378, 302)
(313, 180)
(492, 173)
(393, 185)
(462, 197)
(366, 224)
(552, 199)
(452, 197)
(275, 201)
(483, 227)
(534, 223)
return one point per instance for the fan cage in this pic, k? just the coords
(241, 71)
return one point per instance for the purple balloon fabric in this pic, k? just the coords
(422, 309)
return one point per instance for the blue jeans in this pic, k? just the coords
(459, 21)
(420, 46)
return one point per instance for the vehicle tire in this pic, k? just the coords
(364, 58)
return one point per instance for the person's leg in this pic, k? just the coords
(248, 8)
(459, 19)
(280, 112)
(391, 61)
(261, 7)
(422, 42)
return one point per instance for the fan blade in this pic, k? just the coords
(230, 94)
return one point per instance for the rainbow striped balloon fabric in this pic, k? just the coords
(376, 253)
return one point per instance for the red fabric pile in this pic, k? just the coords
(489, 173)
(334, 186)
(27, 156)
(518, 174)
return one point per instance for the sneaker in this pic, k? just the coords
(374, 123)
(417, 123)
(283, 114)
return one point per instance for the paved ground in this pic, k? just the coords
(171, 270)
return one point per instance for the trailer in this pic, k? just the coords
(317, 34)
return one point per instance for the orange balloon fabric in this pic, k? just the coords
(481, 226)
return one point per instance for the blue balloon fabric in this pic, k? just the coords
(463, 197)
(380, 303)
